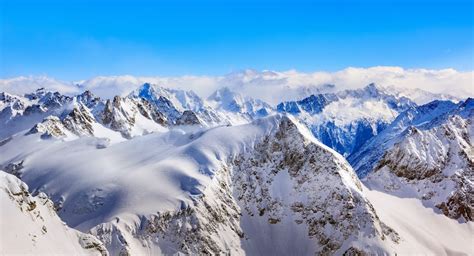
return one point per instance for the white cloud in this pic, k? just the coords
(21, 85)
(270, 86)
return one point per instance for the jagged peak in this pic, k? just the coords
(181, 99)
(467, 104)
(223, 93)
(51, 126)
(312, 104)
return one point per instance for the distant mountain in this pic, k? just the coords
(22, 112)
(54, 114)
(420, 96)
(238, 107)
(426, 153)
(345, 120)
(27, 84)
(365, 159)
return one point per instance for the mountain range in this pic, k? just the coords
(159, 170)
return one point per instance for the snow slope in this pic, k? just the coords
(423, 231)
(30, 225)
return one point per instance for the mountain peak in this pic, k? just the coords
(373, 89)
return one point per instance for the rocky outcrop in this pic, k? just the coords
(130, 116)
(88, 99)
(117, 118)
(51, 126)
(460, 203)
(188, 118)
(18, 113)
(79, 121)
(148, 111)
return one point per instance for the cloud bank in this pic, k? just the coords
(270, 86)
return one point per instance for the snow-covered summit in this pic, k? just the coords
(180, 99)
(227, 100)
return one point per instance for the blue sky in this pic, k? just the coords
(81, 39)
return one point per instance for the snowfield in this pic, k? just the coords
(423, 231)
(30, 225)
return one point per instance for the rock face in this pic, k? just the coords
(29, 225)
(188, 118)
(433, 161)
(51, 126)
(79, 121)
(118, 118)
(131, 117)
(345, 120)
(147, 110)
(291, 183)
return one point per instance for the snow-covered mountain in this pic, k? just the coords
(427, 153)
(238, 107)
(365, 159)
(164, 171)
(345, 120)
(149, 108)
(237, 189)
(173, 103)
(22, 112)
(223, 107)
(82, 115)
(420, 96)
